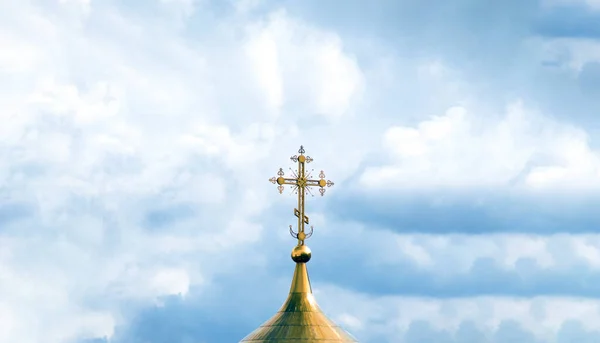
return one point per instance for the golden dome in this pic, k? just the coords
(300, 320)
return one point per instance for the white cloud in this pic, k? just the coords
(108, 116)
(244, 6)
(262, 51)
(460, 149)
(16, 56)
(589, 252)
(181, 9)
(82, 5)
(415, 252)
(456, 254)
(591, 4)
(541, 316)
(574, 52)
(170, 281)
(295, 63)
(117, 117)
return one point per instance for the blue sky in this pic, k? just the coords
(137, 139)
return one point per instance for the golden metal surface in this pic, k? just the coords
(300, 320)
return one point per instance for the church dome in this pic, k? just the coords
(300, 320)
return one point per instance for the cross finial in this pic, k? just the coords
(301, 183)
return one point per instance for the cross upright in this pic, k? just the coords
(301, 183)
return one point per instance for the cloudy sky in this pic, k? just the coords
(137, 138)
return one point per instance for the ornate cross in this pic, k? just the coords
(301, 183)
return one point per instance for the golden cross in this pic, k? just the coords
(301, 184)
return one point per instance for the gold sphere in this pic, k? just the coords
(301, 254)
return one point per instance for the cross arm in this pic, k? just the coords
(319, 183)
(283, 181)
